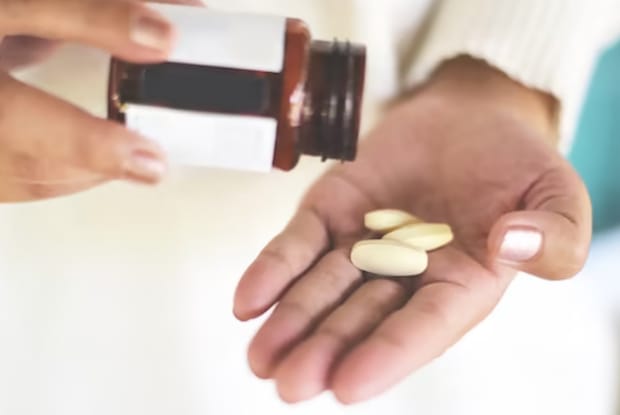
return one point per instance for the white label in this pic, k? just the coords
(205, 139)
(231, 40)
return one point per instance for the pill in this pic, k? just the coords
(386, 220)
(425, 236)
(389, 258)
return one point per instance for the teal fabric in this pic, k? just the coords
(596, 153)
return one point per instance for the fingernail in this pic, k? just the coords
(152, 32)
(146, 168)
(520, 245)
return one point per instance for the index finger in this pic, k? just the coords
(282, 261)
(458, 294)
(130, 30)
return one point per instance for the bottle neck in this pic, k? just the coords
(330, 119)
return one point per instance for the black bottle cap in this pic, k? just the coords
(333, 100)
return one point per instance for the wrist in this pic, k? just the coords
(474, 82)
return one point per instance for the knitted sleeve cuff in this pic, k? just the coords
(549, 45)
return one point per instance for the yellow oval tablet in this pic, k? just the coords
(389, 258)
(386, 220)
(426, 236)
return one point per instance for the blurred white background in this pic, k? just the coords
(118, 301)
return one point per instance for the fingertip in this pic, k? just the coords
(257, 362)
(341, 389)
(285, 328)
(238, 309)
(541, 243)
(240, 314)
(520, 244)
(293, 390)
(145, 169)
(292, 394)
(350, 383)
(581, 252)
(244, 313)
(304, 374)
(284, 397)
(345, 398)
(246, 306)
(497, 234)
(346, 394)
(152, 32)
(372, 368)
(137, 158)
(263, 352)
(256, 292)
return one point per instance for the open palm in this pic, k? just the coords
(475, 165)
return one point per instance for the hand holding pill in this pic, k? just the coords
(493, 197)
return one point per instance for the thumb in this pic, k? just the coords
(551, 237)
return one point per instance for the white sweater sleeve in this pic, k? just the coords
(550, 45)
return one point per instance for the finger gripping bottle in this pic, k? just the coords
(243, 91)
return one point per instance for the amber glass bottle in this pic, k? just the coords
(259, 93)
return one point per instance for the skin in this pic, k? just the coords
(67, 150)
(471, 148)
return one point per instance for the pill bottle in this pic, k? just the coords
(243, 91)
